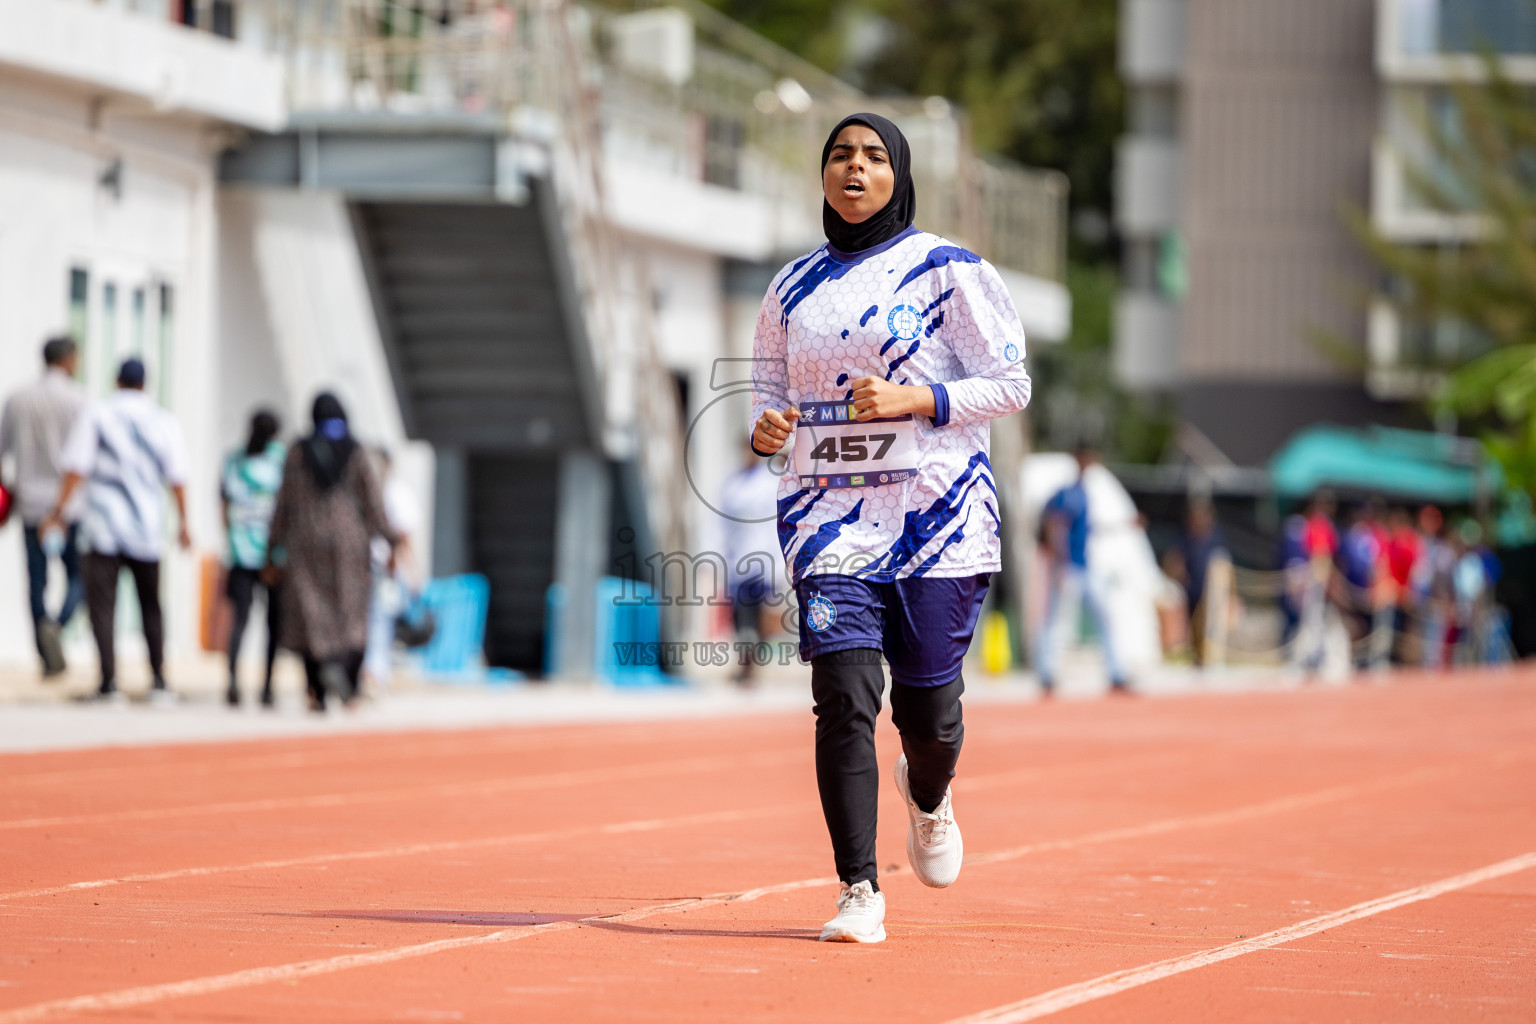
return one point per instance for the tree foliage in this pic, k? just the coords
(1479, 165)
(1038, 78)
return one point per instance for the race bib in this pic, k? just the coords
(832, 449)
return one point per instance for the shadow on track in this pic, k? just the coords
(791, 934)
(480, 918)
(493, 919)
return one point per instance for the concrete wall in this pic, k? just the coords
(157, 229)
(267, 298)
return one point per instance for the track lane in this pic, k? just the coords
(1056, 894)
(354, 961)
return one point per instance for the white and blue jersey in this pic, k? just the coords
(916, 310)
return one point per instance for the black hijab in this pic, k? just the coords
(327, 450)
(897, 214)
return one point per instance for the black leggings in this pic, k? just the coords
(350, 665)
(847, 686)
(101, 573)
(242, 595)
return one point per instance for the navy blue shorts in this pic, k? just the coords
(922, 625)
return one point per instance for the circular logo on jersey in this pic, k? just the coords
(820, 613)
(905, 323)
(1011, 353)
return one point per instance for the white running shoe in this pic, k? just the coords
(934, 848)
(163, 697)
(860, 916)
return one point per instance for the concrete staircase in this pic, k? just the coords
(470, 307)
(471, 310)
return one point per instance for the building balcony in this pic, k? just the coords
(1428, 41)
(1147, 177)
(1146, 356)
(1151, 41)
(149, 60)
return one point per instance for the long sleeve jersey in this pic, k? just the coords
(916, 310)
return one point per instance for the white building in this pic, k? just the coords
(517, 239)
(110, 127)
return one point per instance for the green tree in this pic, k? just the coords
(1038, 78)
(1478, 163)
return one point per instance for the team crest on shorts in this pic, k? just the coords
(820, 613)
(905, 323)
(1011, 353)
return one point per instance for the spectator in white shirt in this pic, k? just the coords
(33, 429)
(394, 573)
(125, 451)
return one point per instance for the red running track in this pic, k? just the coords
(1362, 853)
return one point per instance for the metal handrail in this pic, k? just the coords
(728, 125)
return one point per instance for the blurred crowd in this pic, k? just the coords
(1412, 587)
(318, 530)
(1400, 585)
(1361, 588)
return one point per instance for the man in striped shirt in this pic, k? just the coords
(125, 451)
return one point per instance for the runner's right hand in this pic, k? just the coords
(773, 429)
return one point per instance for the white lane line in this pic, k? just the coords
(478, 787)
(410, 850)
(413, 849)
(128, 997)
(1069, 996)
(308, 758)
(308, 968)
(1281, 805)
(145, 994)
(465, 744)
(483, 786)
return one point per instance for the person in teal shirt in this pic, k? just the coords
(248, 489)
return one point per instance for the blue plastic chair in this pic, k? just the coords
(627, 633)
(459, 605)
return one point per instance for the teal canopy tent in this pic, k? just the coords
(1406, 464)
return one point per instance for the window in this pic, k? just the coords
(110, 355)
(136, 340)
(166, 345)
(1505, 26)
(79, 313)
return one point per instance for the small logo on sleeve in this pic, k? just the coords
(820, 613)
(1011, 353)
